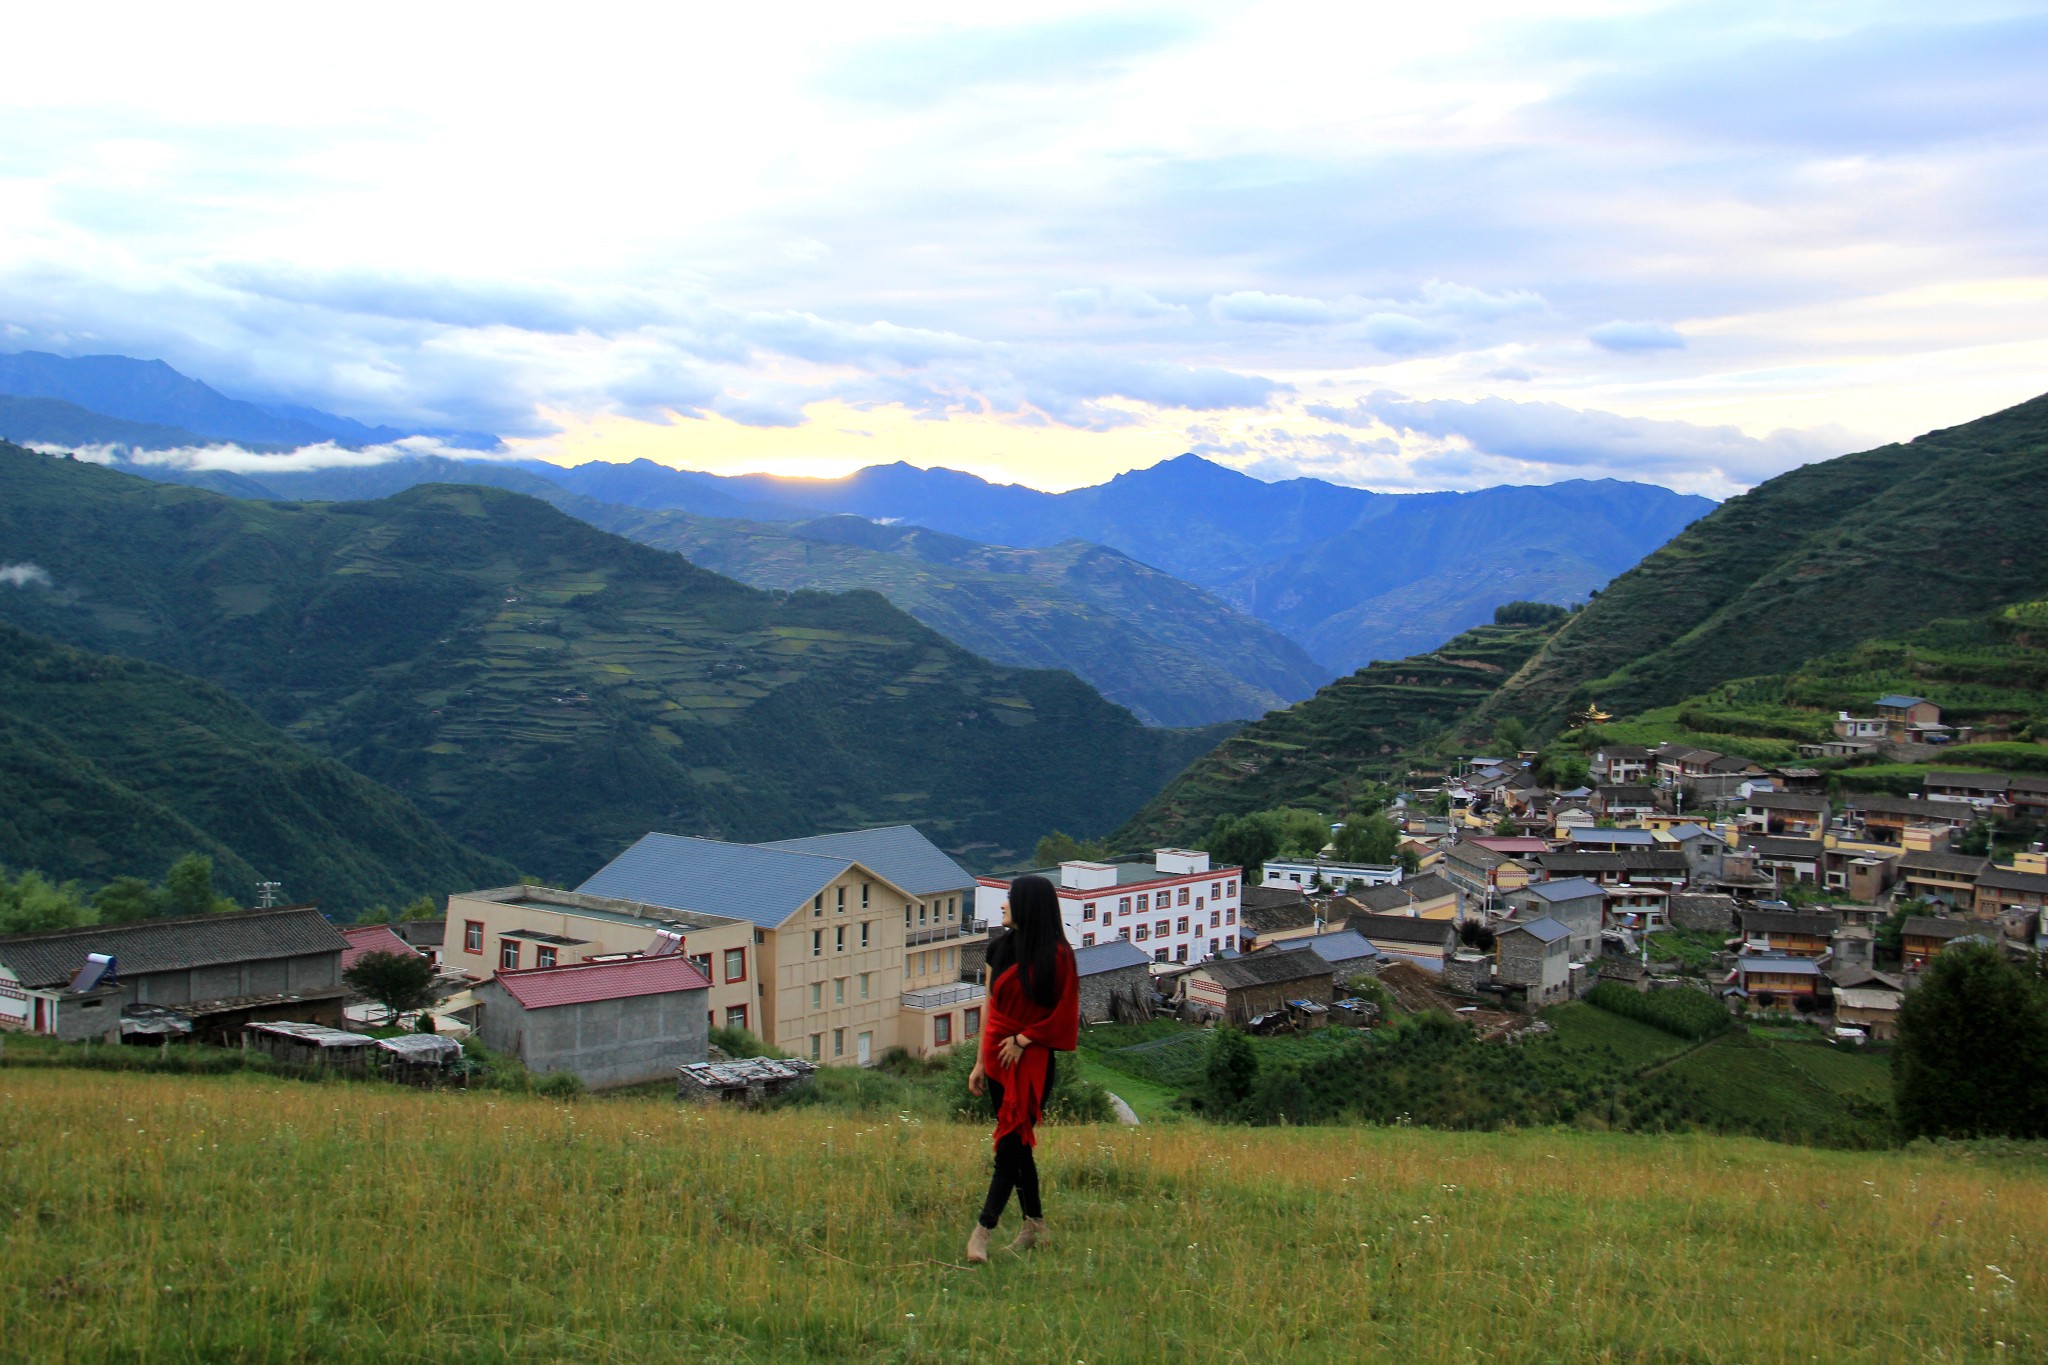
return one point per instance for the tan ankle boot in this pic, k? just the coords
(1033, 1235)
(977, 1246)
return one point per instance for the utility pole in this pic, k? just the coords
(266, 894)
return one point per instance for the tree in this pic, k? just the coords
(31, 902)
(1060, 847)
(420, 909)
(1972, 1057)
(1505, 825)
(188, 888)
(1368, 839)
(1562, 767)
(1889, 941)
(1476, 936)
(1976, 840)
(1526, 613)
(1232, 1072)
(1440, 804)
(125, 900)
(1510, 737)
(397, 981)
(1244, 841)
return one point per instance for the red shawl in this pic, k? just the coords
(1012, 1011)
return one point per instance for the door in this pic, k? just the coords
(864, 1048)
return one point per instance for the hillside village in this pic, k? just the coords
(1671, 869)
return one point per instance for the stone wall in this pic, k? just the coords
(1713, 913)
(1097, 989)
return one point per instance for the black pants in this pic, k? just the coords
(1016, 1166)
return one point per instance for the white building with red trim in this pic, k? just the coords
(1176, 908)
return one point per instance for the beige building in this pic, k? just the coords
(835, 948)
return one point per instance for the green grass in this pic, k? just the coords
(240, 1218)
(1795, 1090)
(1629, 1042)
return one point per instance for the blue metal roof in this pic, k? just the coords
(1614, 836)
(1570, 889)
(741, 881)
(1545, 930)
(1109, 957)
(1896, 700)
(897, 852)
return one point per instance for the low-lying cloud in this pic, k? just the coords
(24, 576)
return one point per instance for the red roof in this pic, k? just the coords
(539, 988)
(374, 938)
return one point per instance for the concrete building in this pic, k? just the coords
(1578, 903)
(1321, 874)
(1536, 955)
(215, 972)
(1176, 907)
(1778, 982)
(606, 1023)
(1118, 969)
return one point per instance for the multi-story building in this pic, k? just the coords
(835, 948)
(1322, 874)
(1177, 908)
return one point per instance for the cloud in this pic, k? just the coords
(1402, 335)
(1513, 374)
(1118, 302)
(24, 576)
(1636, 336)
(1252, 305)
(1569, 441)
(921, 69)
(234, 459)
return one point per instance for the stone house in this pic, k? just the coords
(606, 1023)
(1109, 971)
(1578, 903)
(1535, 955)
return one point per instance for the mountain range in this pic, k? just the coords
(547, 692)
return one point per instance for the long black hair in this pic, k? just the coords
(1034, 940)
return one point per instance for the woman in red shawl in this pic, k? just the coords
(1034, 1010)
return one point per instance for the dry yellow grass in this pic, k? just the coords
(240, 1218)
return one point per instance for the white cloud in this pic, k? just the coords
(24, 576)
(1636, 336)
(1253, 305)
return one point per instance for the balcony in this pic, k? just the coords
(941, 933)
(939, 997)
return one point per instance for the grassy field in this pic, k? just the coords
(243, 1218)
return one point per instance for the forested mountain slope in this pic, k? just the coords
(1813, 561)
(548, 692)
(1324, 753)
(1174, 654)
(116, 767)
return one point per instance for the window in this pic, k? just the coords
(735, 964)
(702, 962)
(1181, 927)
(839, 1042)
(952, 906)
(1159, 954)
(1125, 933)
(818, 908)
(1215, 890)
(942, 1029)
(1087, 940)
(472, 936)
(864, 984)
(817, 943)
(1088, 910)
(838, 990)
(735, 1016)
(817, 995)
(970, 1023)
(863, 895)
(906, 917)
(1163, 928)
(508, 954)
(1123, 905)
(864, 925)
(1143, 933)
(1214, 946)
(1230, 915)
(1215, 919)
(842, 898)
(1231, 887)
(1183, 895)
(839, 939)
(923, 909)
(546, 955)
(1180, 953)
(1145, 902)
(817, 1046)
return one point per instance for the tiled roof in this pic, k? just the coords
(1429, 886)
(742, 881)
(1339, 945)
(1806, 801)
(1931, 926)
(1768, 847)
(1894, 699)
(1401, 929)
(1955, 864)
(1268, 968)
(1820, 922)
(540, 988)
(1782, 966)
(1617, 838)
(1383, 900)
(53, 957)
(1109, 957)
(899, 853)
(1981, 782)
(2011, 879)
(373, 938)
(1906, 805)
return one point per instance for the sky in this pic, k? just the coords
(1392, 245)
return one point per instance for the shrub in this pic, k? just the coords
(1682, 1013)
(1074, 1098)
(738, 1042)
(560, 1085)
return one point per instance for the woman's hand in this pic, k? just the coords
(976, 1078)
(1012, 1050)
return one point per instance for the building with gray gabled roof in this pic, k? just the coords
(900, 853)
